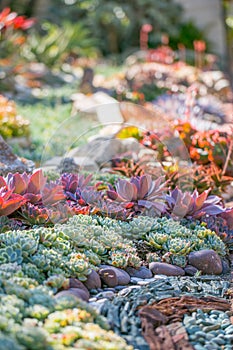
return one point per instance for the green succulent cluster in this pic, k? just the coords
(36, 263)
(136, 228)
(31, 318)
(101, 240)
(174, 241)
(48, 252)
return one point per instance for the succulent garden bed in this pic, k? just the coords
(86, 264)
(138, 255)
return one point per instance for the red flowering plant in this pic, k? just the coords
(12, 31)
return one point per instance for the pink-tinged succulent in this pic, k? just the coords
(193, 205)
(72, 182)
(29, 186)
(37, 215)
(34, 188)
(75, 186)
(140, 191)
(9, 202)
(52, 193)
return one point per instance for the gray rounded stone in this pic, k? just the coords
(106, 294)
(142, 272)
(160, 268)
(206, 260)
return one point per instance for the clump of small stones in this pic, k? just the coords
(209, 331)
(123, 317)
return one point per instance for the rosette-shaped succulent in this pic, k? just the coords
(220, 225)
(33, 338)
(140, 192)
(32, 271)
(39, 312)
(157, 240)
(134, 260)
(34, 188)
(179, 260)
(152, 256)
(17, 290)
(93, 258)
(142, 225)
(57, 282)
(9, 201)
(47, 259)
(9, 343)
(192, 205)
(8, 270)
(23, 241)
(97, 247)
(210, 240)
(118, 259)
(178, 246)
(78, 266)
(10, 255)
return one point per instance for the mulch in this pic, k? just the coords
(162, 324)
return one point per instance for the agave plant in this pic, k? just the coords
(9, 201)
(193, 205)
(140, 192)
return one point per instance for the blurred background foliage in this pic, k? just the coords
(112, 26)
